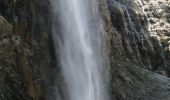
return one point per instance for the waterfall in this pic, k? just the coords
(77, 35)
(143, 10)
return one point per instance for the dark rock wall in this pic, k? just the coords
(26, 50)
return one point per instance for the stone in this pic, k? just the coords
(168, 20)
(5, 27)
(153, 20)
(158, 13)
(160, 2)
(167, 15)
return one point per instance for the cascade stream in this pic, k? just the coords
(79, 47)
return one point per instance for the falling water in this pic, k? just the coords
(77, 40)
(130, 20)
(143, 9)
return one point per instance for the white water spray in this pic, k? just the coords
(79, 48)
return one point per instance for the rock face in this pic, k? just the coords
(138, 46)
(10, 78)
(138, 64)
(159, 12)
(26, 52)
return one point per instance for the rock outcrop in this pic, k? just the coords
(26, 52)
(138, 63)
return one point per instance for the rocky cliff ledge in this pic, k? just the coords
(139, 56)
(138, 41)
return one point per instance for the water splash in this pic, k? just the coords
(79, 47)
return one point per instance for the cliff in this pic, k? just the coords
(137, 41)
